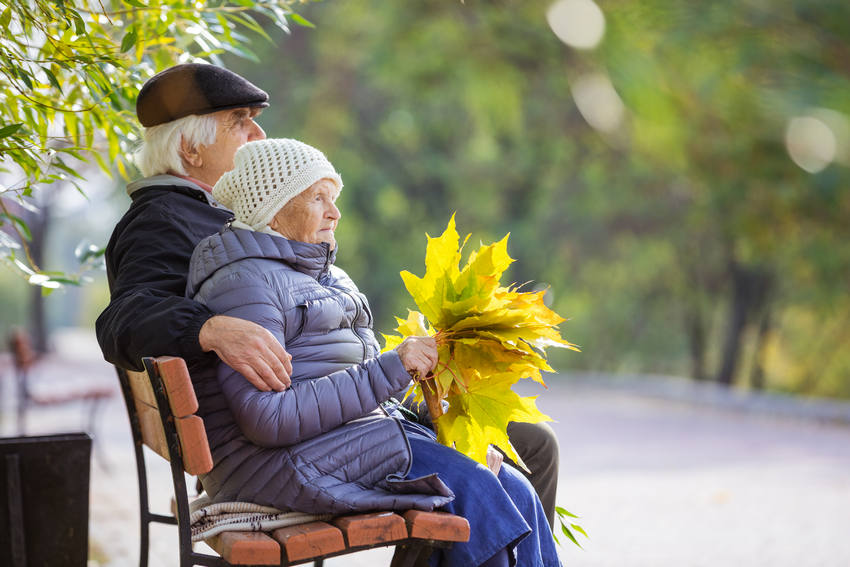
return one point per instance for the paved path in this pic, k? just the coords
(657, 482)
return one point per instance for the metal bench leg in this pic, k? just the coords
(23, 400)
(94, 406)
(412, 555)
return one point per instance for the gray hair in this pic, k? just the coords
(160, 150)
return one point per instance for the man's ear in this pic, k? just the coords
(190, 154)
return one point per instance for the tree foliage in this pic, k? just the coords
(489, 338)
(69, 75)
(682, 240)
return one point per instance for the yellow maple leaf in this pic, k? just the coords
(489, 337)
(479, 417)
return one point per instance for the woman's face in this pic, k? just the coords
(311, 216)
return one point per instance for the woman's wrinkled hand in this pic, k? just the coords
(418, 355)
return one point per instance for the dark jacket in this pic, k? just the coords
(147, 260)
(322, 445)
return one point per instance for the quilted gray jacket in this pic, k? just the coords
(323, 445)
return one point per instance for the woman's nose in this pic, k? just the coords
(333, 212)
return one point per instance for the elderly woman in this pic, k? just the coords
(326, 445)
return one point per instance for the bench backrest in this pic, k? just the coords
(23, 353)
(170, 374)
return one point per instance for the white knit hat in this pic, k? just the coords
(267, 174)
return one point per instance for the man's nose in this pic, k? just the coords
(257, 132)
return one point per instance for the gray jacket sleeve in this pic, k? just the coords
(310, 406)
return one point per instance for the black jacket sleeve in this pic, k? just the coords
(147, 261)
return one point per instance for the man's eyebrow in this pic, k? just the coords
(239, 114)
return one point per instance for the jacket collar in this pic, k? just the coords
(173, 181)
(234, 244)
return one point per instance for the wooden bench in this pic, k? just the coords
(24, 358)
(161, 404)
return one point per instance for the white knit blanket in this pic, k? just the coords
(208, 519)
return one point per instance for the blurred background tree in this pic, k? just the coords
(675, 174)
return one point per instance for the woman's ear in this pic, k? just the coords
(190, 154)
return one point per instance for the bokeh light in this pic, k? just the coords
(811, 143)
(598, 102)
(578, 23)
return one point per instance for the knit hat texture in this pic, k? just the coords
(267, 174)
(194, 88)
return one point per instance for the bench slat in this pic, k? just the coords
(140, 384)
(150, 423)
(190, 430)
(197, 458)
(178, 383)
(436, 525)
(371, 529)
(306, 541)
(246, 548)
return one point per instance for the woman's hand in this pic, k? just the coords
(494, 460)
(418, 355)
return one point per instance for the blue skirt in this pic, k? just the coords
(503, 512)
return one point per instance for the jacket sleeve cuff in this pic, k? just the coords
(190, 342)
(394, 369)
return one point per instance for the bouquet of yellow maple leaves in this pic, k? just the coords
(488, 338)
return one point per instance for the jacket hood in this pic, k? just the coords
(234, 244)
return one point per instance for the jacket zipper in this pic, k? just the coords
(354, 323)
(356, 305)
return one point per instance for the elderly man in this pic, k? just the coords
(196, 116)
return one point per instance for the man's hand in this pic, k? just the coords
(418, 355)
(248, 349)
(494, 460)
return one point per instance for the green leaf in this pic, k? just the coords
(301, 21)
(79, 23)
(6, 18)
(570, 535)
(65, 280)
(251, 24)
(565, 529)
(24, 76)
(135, 3)
(129, 40)
(19, 223)
(10, 129)
(52, 78)
(564, 512)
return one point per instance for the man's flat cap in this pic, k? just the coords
(194, 88)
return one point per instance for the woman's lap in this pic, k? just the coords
(500, 511)
(538, 550)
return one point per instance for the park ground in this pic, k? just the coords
(662, 473)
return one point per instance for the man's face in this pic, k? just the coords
(235, 128)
